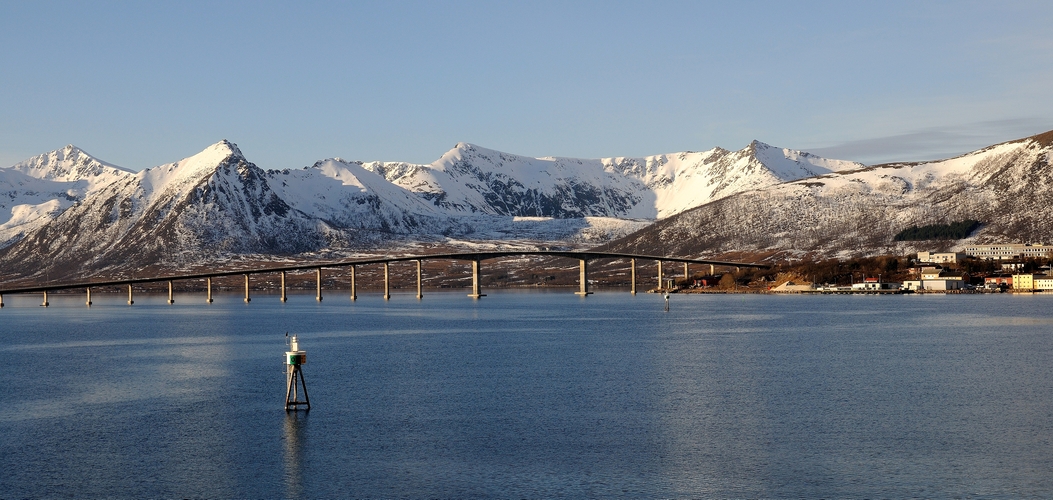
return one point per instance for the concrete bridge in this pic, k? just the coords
(474, 257)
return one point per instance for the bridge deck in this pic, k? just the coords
(466, 256)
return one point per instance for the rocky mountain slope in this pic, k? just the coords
(1008, 187)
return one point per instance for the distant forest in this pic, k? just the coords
(952, 231)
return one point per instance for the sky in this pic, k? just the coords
(140, 84)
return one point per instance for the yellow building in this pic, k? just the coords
(1024, 281)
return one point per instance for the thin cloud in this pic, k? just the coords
(934, 143)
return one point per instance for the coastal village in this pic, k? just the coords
(999, 268)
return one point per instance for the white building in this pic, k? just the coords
(934, 284)
(1043, 282)
(1008, 251)
(931, 273)
(941, 257)
(872, 284)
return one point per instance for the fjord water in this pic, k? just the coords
(530, 394)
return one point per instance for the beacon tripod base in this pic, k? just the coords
(294, 383)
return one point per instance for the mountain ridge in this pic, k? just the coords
(86, 216)
(1007, 186)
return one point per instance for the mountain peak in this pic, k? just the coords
(194, 168)
(212, 156)
(67, 164)
(756, 145)
(225, 148)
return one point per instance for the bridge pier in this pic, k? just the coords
(420, 284)
(45, 304)
(354, 292)
(87, 303)
(130, 301)
(208, 282)
(387, 288)
(659, 275)
(632, 276)
(687, 275)
(1, 300)
(712, 269)
(171, 300)
(284, 296)
(583, 282)
(247, 297)
(318, 284)
(475, 281)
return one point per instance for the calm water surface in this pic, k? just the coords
(530, 395)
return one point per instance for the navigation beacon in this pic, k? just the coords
(294, 359)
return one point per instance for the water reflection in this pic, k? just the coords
(293, 437)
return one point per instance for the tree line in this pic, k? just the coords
(952, 231)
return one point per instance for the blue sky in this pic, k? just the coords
(139, 84)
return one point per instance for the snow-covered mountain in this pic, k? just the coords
(35, 191)
(69, 213)
(67, 209)
(471, 179)
(212, 203)
(1008, 187)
